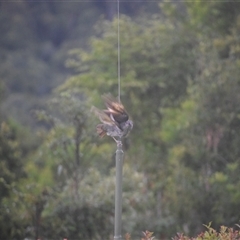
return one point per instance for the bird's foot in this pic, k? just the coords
(119, 142)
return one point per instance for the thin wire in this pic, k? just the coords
(119, 65)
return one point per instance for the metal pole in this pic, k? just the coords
(118, 193)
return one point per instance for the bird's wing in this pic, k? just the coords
(115, 109)
(103, 117)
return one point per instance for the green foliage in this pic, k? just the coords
(209, 16)
(184, 103)
(149, 91)
(180, 84)
(224, 233)
(11, 165)
(11, 171)
(86, 207)
(36, 38)
(149, 84)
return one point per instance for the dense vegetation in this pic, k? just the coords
(180, 82)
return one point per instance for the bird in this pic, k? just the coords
(115, 120)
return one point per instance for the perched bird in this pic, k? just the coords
(115, 119)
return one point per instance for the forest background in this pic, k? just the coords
(180, 82)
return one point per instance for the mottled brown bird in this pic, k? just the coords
(115, 119)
